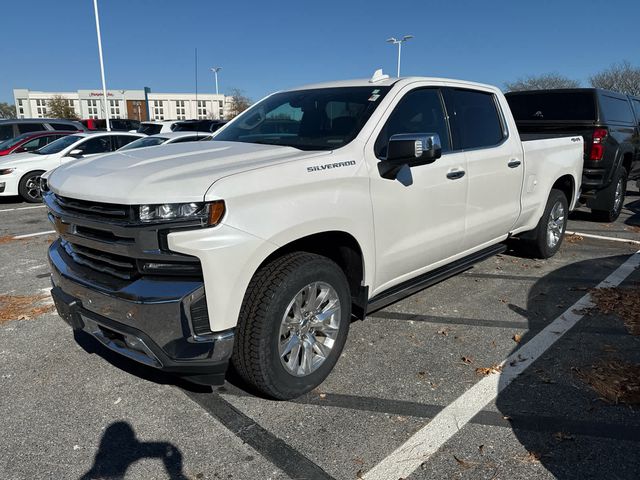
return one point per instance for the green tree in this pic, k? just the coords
(541, 82)
(59, 107)
(619, 77)
(7, 110)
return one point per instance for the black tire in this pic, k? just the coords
(256, 355)
(537, 245)
(615, 203)
(29, 187)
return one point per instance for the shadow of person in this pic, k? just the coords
(555, 415)
(119, 448)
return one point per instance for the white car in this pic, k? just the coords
(153, 128)
(20, 173)
(166, 138)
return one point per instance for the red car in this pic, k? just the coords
(28, 142)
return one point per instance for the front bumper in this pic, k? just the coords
(146, 321)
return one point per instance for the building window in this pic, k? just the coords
(114, 108)
(19, 102)
(93, 108)
(202, 109)
(180, 110)
(158, 110)
(41, 107)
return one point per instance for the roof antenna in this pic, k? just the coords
(378, 76)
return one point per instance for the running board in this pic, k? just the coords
(428, 279)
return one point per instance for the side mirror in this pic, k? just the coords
(76, 152)
(411, 149)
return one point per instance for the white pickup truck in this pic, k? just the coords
(315, 206)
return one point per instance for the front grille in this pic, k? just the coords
(121, 267)
(95, 209)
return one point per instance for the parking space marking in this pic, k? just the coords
(473, 322)
(600, 237)
(409, 456)
(29, 235)
(21, 208)
(277, 451)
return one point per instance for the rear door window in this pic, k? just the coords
(63, 126)
(616, 109)
(419, 111)
(120, 141)
(30, 127)
(34, 144)
(475, 119)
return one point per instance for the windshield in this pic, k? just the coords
(149, 128)
(317, 119)
(58, 145)
(144, 142)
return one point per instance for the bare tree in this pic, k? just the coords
(620, 77)
(59, 107)
(239, 103)
(7, 110)
(541, 82)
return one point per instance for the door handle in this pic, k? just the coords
(455, 174)
(513, 163)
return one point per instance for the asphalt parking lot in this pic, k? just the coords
(401, 402)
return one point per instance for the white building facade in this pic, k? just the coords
(126, 104)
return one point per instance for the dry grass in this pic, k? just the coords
(615, 381)
(23, 307)
(624, 302)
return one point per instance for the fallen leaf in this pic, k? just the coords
(484, 371)
(463, 463)
(467, 360)
(561, 436)
(517, 337)
(481, 449)
(323, 395)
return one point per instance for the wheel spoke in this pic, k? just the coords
(307, 358)
(288, 345)
(320, 348)
(312, 296)
(293, 361)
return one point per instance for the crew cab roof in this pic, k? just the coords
(388, 82)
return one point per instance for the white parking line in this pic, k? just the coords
(600, 237)
(409, 456)
(48, 232)
(21, 208)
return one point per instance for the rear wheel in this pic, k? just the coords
(29, 187)
(616, 193)
(546, 239)
(293, 325)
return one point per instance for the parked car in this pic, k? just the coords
(153, 128)
(28, 142)
(260, 248)
(20, 173)
(11, 128)
(605, 120)
(166, 138)
(116, 124)
(197, 125)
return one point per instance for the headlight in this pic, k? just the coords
(6, 171)
(209, 213)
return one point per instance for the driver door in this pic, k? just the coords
(419, 217)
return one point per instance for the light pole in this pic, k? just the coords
(104, 85)
(215, 71)
(395, 41)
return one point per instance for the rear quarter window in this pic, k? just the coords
(63, 126)
(616, 109)
(30, 127)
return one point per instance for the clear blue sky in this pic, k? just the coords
(268, 45)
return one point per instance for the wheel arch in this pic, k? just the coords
(567, 185)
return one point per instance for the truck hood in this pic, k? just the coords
(172, 173)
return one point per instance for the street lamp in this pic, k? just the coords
(215, 71)
(104, 85)
(395, 41)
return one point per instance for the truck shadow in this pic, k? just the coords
(119, 449)
(554, 414)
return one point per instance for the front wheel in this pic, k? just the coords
(293, 325)
(29, 187)
(546, 239)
